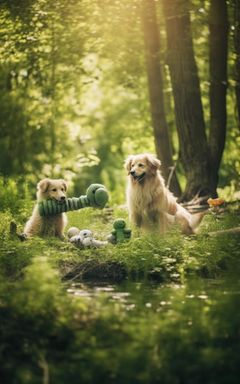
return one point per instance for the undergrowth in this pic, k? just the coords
(145, 256)
(48, 335)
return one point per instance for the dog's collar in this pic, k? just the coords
(140, 177)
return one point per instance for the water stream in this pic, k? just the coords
(141, 296)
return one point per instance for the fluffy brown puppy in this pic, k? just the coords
(48, 225)
(151, 205)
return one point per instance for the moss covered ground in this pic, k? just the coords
(175, 329)
(145, 256)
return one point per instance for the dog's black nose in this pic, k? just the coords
(63, 198)
(132, 173)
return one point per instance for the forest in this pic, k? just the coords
(83, 85)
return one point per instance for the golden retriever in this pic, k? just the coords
(48, 225)
(151, 205)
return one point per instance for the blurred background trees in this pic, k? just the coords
(86, 83)
(156, 95)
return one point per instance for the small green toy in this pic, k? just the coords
(96, 197)
(119, 233)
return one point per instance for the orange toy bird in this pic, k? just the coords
(215, 202)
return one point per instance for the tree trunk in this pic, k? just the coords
(155, 87)
(187, 100)
(218, 24)
(237, 52)
(53, 83)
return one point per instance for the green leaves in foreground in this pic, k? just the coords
(133, 335)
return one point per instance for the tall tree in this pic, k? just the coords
(187, 99)
(236, 4)
(218, 25)
(155, 87)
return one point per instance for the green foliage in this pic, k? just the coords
(5, 221)
(13, 194)
(74, 99)
(96, 338)
(74, 104)
(77, 332)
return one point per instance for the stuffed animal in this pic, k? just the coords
(215, 202)
(119, 233)
(96, 197)
(73, 231)
(84, 238)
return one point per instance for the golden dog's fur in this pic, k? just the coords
(151, 205)
(48, 225)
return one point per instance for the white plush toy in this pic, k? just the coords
(73, 231)
(84, 238)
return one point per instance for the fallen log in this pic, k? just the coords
(235, 230)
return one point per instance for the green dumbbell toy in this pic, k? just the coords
(96, 197)
(119, 233)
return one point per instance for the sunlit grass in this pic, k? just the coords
(145, 256)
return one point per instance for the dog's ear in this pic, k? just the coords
(128, 163)
(153, 163)
(64, 185)
(43, 185)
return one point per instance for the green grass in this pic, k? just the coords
(145, 256)
(46, 331)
